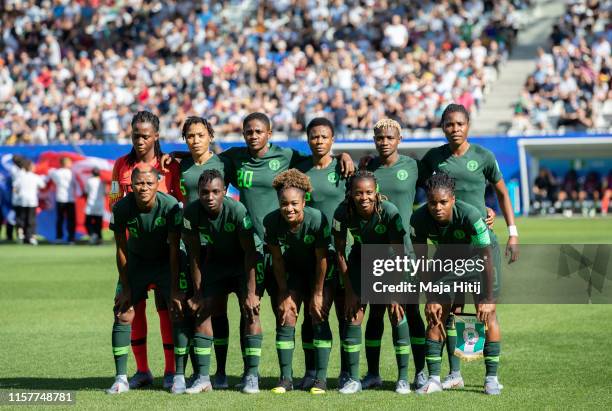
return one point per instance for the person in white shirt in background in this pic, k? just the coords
(14, 165)
(27, 185)
(94, 209)
(65, 190)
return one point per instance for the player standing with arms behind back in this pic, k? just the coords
(472, 166)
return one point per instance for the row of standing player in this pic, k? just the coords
(249, 162)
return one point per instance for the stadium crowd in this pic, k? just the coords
(570, 86)
(74, 71)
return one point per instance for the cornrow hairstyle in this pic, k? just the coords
(454, 108)
(387, 123)
(348, 200)
(209, 175)
(197, 120)
(292, 178)
(143, 170)
(319, 121)
(145, 117)
(440, 181)
(257, 116)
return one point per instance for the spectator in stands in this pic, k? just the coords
(26, 185)
(94, 208)
(65, 193)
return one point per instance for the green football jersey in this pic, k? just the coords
(298, 247)
(253, 176)
(466, 227)
(471, 171)
(147, 232)
(328, 184)
(190, 174)
(386, 229)
(220, 235)
(397, 182)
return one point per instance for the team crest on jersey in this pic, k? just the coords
(402, 175)
(309, 239)
(472, 165)
(380, 228)
(229, 227)
(159, 221)
(333, 177)
(274, 165)
(459, 234)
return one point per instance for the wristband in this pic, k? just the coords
(512, 231)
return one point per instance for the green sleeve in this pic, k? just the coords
(117, 219)
(491, 169)
(479, 233)
(297, 158)
(396, 228)
(323, 234)
(270, 230)
(190, 219)
(418, 235)
(227, 157)
(174, 219)
(339, 224)
(424, 170)
(243, 221)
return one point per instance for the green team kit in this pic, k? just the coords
(190, 173)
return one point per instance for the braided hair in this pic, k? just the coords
(348, 200)
(145, 117)
(440, 181)
(209, 175)
(197, 120)
(292, 178)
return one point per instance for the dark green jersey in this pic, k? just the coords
(298, 247)
(471, 171)
(253, 176)
(147, 232)
(329, 187)
(220, 235)
(466, 227)
(190, 174)
(386, 229)
(397, 182)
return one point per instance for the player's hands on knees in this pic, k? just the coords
(251, 306)
(396, 313)
(316, 307)
(177, 305)
(352, 304)
(123, 300)
(196, 303)
(512, 249)
(485, 312)
(433, 314)
(490, 217)
(287, 309)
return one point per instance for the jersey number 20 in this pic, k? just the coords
(245, 178)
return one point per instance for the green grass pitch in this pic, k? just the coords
(56, 322)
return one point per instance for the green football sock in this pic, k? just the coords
(252, 353)
(307, 344)
(221, 332)
(285, 345)
(416, 326)
(492, 349)
(323, 344)
(243, 343)
(121, 346)
(373, 337)
(352, 347)
(181, 346)
(202, 345)
(454, 362)
(401, 343)
(342, 333)
(433, 356)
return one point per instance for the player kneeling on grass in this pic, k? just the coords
(370, 220)
(145, 256)
(298, 238)
(219, 236)
(444, 220)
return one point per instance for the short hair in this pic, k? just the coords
(319, 121)
(387, 123)
(259, 117)
(209, 175)
(292, 178)
(146, 117)
(440, 181)
(454, 108)
(142, 170)
(197, 120)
